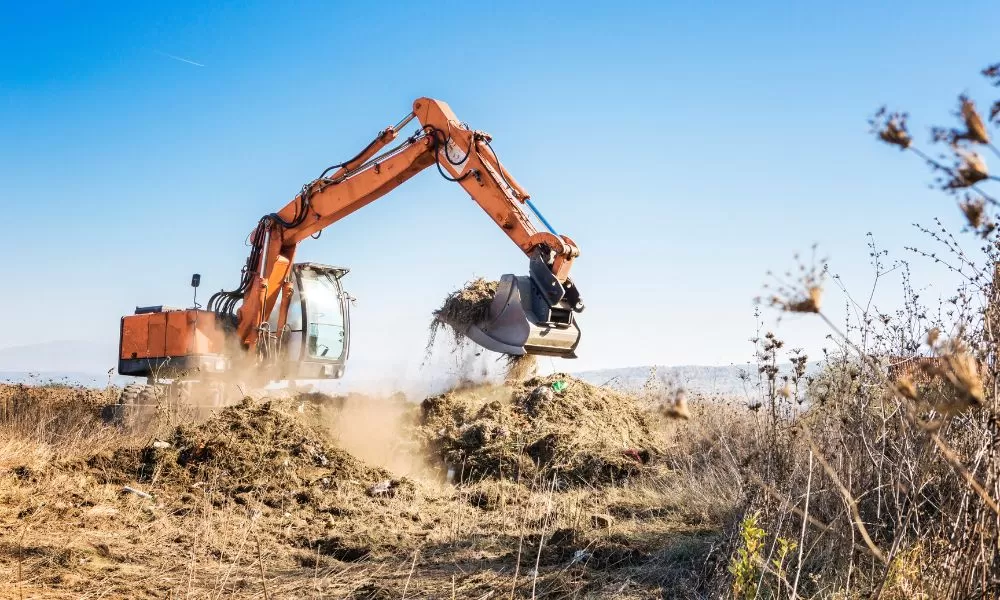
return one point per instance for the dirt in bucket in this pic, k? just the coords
(470, 305)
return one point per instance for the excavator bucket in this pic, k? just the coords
(530, 315)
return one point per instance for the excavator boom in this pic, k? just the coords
(536, 314)
(531, 314)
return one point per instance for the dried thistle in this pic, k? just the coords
(957, 366)
(678, 409)
(932, 336)
(994, 111)
(809, 304)
(891, 128)
(992, 73)
(809, 301)
(943, 134)
(962, 372)
(805, 295)
(975, 128)
(971, 170)
(973, 208)
(905, 387)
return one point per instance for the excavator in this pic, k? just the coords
(290, 321)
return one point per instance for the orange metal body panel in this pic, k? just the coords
(171, 333)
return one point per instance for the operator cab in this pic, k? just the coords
(315, 342)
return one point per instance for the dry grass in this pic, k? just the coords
(864, 481)
(259, 497)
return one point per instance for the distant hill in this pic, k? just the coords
(70, 362)
(718, 381)
(60, 356)
(61, 378)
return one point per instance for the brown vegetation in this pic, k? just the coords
(875, 483)
(470, 305)
(259, 500)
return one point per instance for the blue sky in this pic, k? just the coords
(686, 147)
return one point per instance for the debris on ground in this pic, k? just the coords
(386, 487)
(257, 452)
(531, 432)
(131, 490)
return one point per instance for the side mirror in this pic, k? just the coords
(195, 282)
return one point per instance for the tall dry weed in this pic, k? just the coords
(879, 476)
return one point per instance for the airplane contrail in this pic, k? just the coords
(184, 60)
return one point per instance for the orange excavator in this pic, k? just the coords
(288, 321)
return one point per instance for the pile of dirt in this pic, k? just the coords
(264, 493)
(257, 452)
(547, 427)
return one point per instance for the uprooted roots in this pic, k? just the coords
(467, 306)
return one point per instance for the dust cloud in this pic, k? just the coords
(378, 430)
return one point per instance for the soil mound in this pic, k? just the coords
(257, 451)
(553, 426)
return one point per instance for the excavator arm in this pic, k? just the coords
(461, 155)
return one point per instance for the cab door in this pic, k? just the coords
(325, 321)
